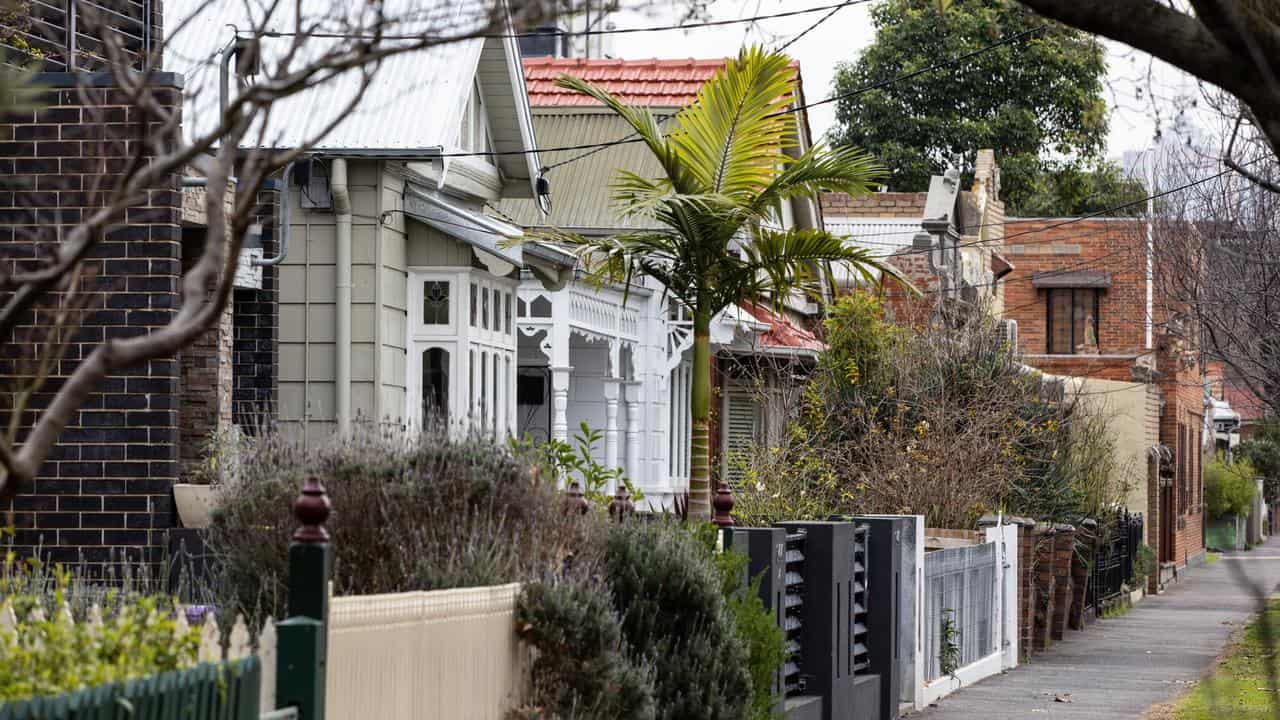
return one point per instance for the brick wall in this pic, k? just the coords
(1181, 424)
(108, 482)
(885, 205)
(1102, 244)
(255, 353)
(204, 374)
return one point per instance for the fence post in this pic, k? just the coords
(302, 641)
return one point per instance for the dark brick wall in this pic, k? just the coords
(108, 483)
(255, 350)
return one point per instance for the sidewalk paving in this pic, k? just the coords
(1119, 667)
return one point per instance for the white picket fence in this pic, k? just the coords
(421, 655)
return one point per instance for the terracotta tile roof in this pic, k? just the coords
(783, 331)
(655, 83)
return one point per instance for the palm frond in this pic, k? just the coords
(732, 137)
(822, 168)
(793, 259)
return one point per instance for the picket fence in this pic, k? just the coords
(231, 681)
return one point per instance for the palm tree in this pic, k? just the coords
(729, 164)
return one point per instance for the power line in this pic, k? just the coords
(574, 33)
(795, 109)
(809, 29)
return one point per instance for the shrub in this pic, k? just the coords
(668, 594)
(582, 667)
(409, 514)
(1229, 488)
(765, 642)
(51, 653)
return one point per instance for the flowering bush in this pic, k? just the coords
(50, 653)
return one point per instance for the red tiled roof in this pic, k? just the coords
(783, 331)
(655, 83)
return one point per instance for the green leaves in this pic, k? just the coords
(1038, 100)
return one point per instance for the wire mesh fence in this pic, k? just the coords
(960, 596)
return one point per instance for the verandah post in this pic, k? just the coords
(302, 638)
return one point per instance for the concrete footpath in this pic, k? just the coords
(1117, 668)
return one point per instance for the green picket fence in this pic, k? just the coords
(209, 691)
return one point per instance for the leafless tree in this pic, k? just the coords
(1230, 44)
(295, 51)
(1216, 249)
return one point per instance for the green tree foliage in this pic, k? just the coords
(1038, 102)
(1229, 487)
(1263, 452)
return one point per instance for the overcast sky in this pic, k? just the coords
(842, 37)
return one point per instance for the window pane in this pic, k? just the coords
(506, 312)
(484, 307)
(475, 306)
(435, 302)
(1082, 320)
(435, 386)
(1060, 322)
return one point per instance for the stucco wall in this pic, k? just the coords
(1127, 409)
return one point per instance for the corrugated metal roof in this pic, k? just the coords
(882, 236)
(414, 104)
(651, 82)
(580, 190)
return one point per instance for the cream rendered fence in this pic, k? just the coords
(421, 655)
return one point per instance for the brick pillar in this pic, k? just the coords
(1063, 552)
(1027, 539)
(107, 484)
(1045, 587)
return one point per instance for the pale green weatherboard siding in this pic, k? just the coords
(580, 190)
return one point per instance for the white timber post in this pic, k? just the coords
(633, 388)
(611, 387)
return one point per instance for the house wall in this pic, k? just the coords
(107, 483)
(1183, 393)
(1113, 245)
(1132, 411)
(307, 311)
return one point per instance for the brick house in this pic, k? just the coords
(1086, 308)
(105, 492)
(947, 242)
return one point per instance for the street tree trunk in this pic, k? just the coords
(700, 403)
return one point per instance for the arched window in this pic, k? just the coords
(435, 385)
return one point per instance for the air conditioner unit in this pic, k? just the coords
(1008, 330)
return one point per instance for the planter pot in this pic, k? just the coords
(194, 504)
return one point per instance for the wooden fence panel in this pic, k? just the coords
(445, 654)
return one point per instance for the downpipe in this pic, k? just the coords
(342, 216)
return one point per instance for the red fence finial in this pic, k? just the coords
(723, 504)
(311, 510)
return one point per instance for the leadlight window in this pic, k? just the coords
(435, 302)
(1072, 319)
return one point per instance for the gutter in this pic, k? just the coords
(342, 216)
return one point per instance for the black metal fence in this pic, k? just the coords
(1114, 560)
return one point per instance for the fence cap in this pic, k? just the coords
(990, 520)
(1064, 527)
(311, 510)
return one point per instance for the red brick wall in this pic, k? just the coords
(1181, 425)
(888, 205)
(1110, 245)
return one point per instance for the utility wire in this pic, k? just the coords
(795, 109)
(809, 29)
(576, 33)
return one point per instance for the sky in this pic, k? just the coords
(1131, 74)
